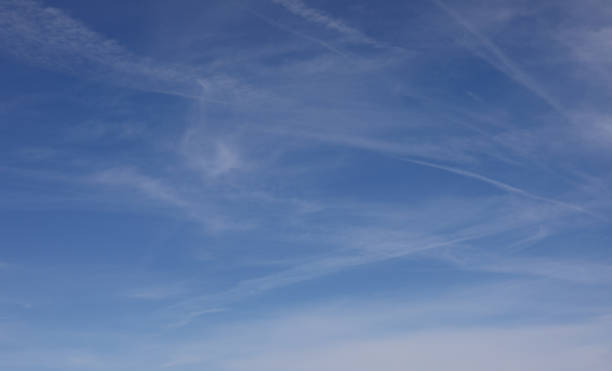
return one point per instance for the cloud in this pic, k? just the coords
(406, 147)
(225, 159)
(50, 38)
(440, 152)
(393, 336)
(352, 335)
(151, 187)
(589, 46)
(210, 154)
(302, 35)
(204, 209)
(66, 359)
(573, 271)
(158, 292)
(505, 187)
(541, 349)
(300, 9)
(494, 55)
(594, 129)
(433, 230)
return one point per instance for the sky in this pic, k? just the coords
(305, 185)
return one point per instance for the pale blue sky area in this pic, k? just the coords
(305, 185)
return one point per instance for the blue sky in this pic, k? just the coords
(305, 185)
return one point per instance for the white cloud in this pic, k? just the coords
(573, 271)
(48, 37)
(506, 187)
(300, 9)
(151, 187)
(494, 55)
(156, 292)
(434, 230)
(368, 336)
(590, 47)
(594, 129)
(302, 35)
(537, 349)
(200, 210)
(210, 154)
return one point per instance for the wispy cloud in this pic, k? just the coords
(569, 270)
(158, 292)
(196, 209)
(212, 156)
(505, 349)
(498, 59)
(149, 186)
(375, 243)
(589, 47)
(302, 35)
(440, 152)
(355, 335)
(48, 37)
(366, 335)
(300, 9)
(504, 186)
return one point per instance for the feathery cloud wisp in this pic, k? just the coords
(300, 9)
(50, 38)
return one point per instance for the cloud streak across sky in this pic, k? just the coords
(305, 185)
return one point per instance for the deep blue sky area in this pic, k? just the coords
(272, 185)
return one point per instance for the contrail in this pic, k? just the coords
(500, 60)
(503, 186)
(299, 34)
(298, 8)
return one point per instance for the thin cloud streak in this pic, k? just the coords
(399, 152)
(500, 60)
(300, 9)
(188, 310)
(505, 187)
(50, 38)
(157, 190)
(302, 35)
